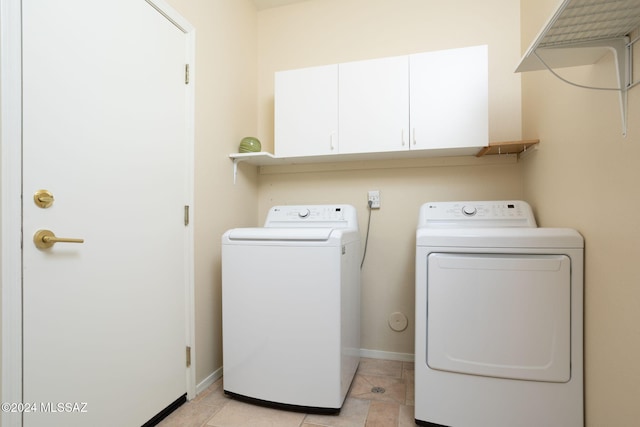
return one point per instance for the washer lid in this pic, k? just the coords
(280, 234)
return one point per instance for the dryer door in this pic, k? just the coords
(500, 315)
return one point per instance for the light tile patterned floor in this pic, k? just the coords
(362, 408)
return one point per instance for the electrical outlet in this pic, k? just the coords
(374, 199)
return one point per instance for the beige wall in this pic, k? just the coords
(388, 276)
(320, 32)
(317, 32)
(585, 176)
(225, 110)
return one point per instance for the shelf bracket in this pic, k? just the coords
(235, 170)
(581, 32)
(622, 51)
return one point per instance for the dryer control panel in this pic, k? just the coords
(302, 216)
(511, 213)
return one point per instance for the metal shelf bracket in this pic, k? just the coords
(581, 32)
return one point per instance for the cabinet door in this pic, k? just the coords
(306, 111)
(374, 105)
(449, 98)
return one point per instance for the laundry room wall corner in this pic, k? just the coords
(225, 112)
(585, 176)
(317, 32)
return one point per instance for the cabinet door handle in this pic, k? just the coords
(414, 136)
(402, 137)
(331, 146)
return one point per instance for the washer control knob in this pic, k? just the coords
(469, 210)
(303, 213)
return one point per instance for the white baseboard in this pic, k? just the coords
(204, 384)
(386, 355)
(371, 354)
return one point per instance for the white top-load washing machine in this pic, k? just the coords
(291, 308)
(499, 318)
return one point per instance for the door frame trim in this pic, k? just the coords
(11, 200)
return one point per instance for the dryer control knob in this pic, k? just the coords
(303, 213)
(469, 210)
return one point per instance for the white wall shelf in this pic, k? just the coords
(264, 158)
(581, 32)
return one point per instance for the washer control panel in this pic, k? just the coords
(512, 213)
(302, 216)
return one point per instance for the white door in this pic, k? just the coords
(374, 105)
(104, 130)
(306, 111)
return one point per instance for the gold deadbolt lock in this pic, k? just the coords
(44, 239)
(43, 198)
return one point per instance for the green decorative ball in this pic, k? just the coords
(250, 145)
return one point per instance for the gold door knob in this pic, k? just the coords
(44, 239)
(43, 198)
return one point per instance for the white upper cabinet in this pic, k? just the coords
(373, 102)
(449, 99)
(435, 101)
(306, 111)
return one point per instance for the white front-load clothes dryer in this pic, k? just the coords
(291, 308)
(499, 318)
